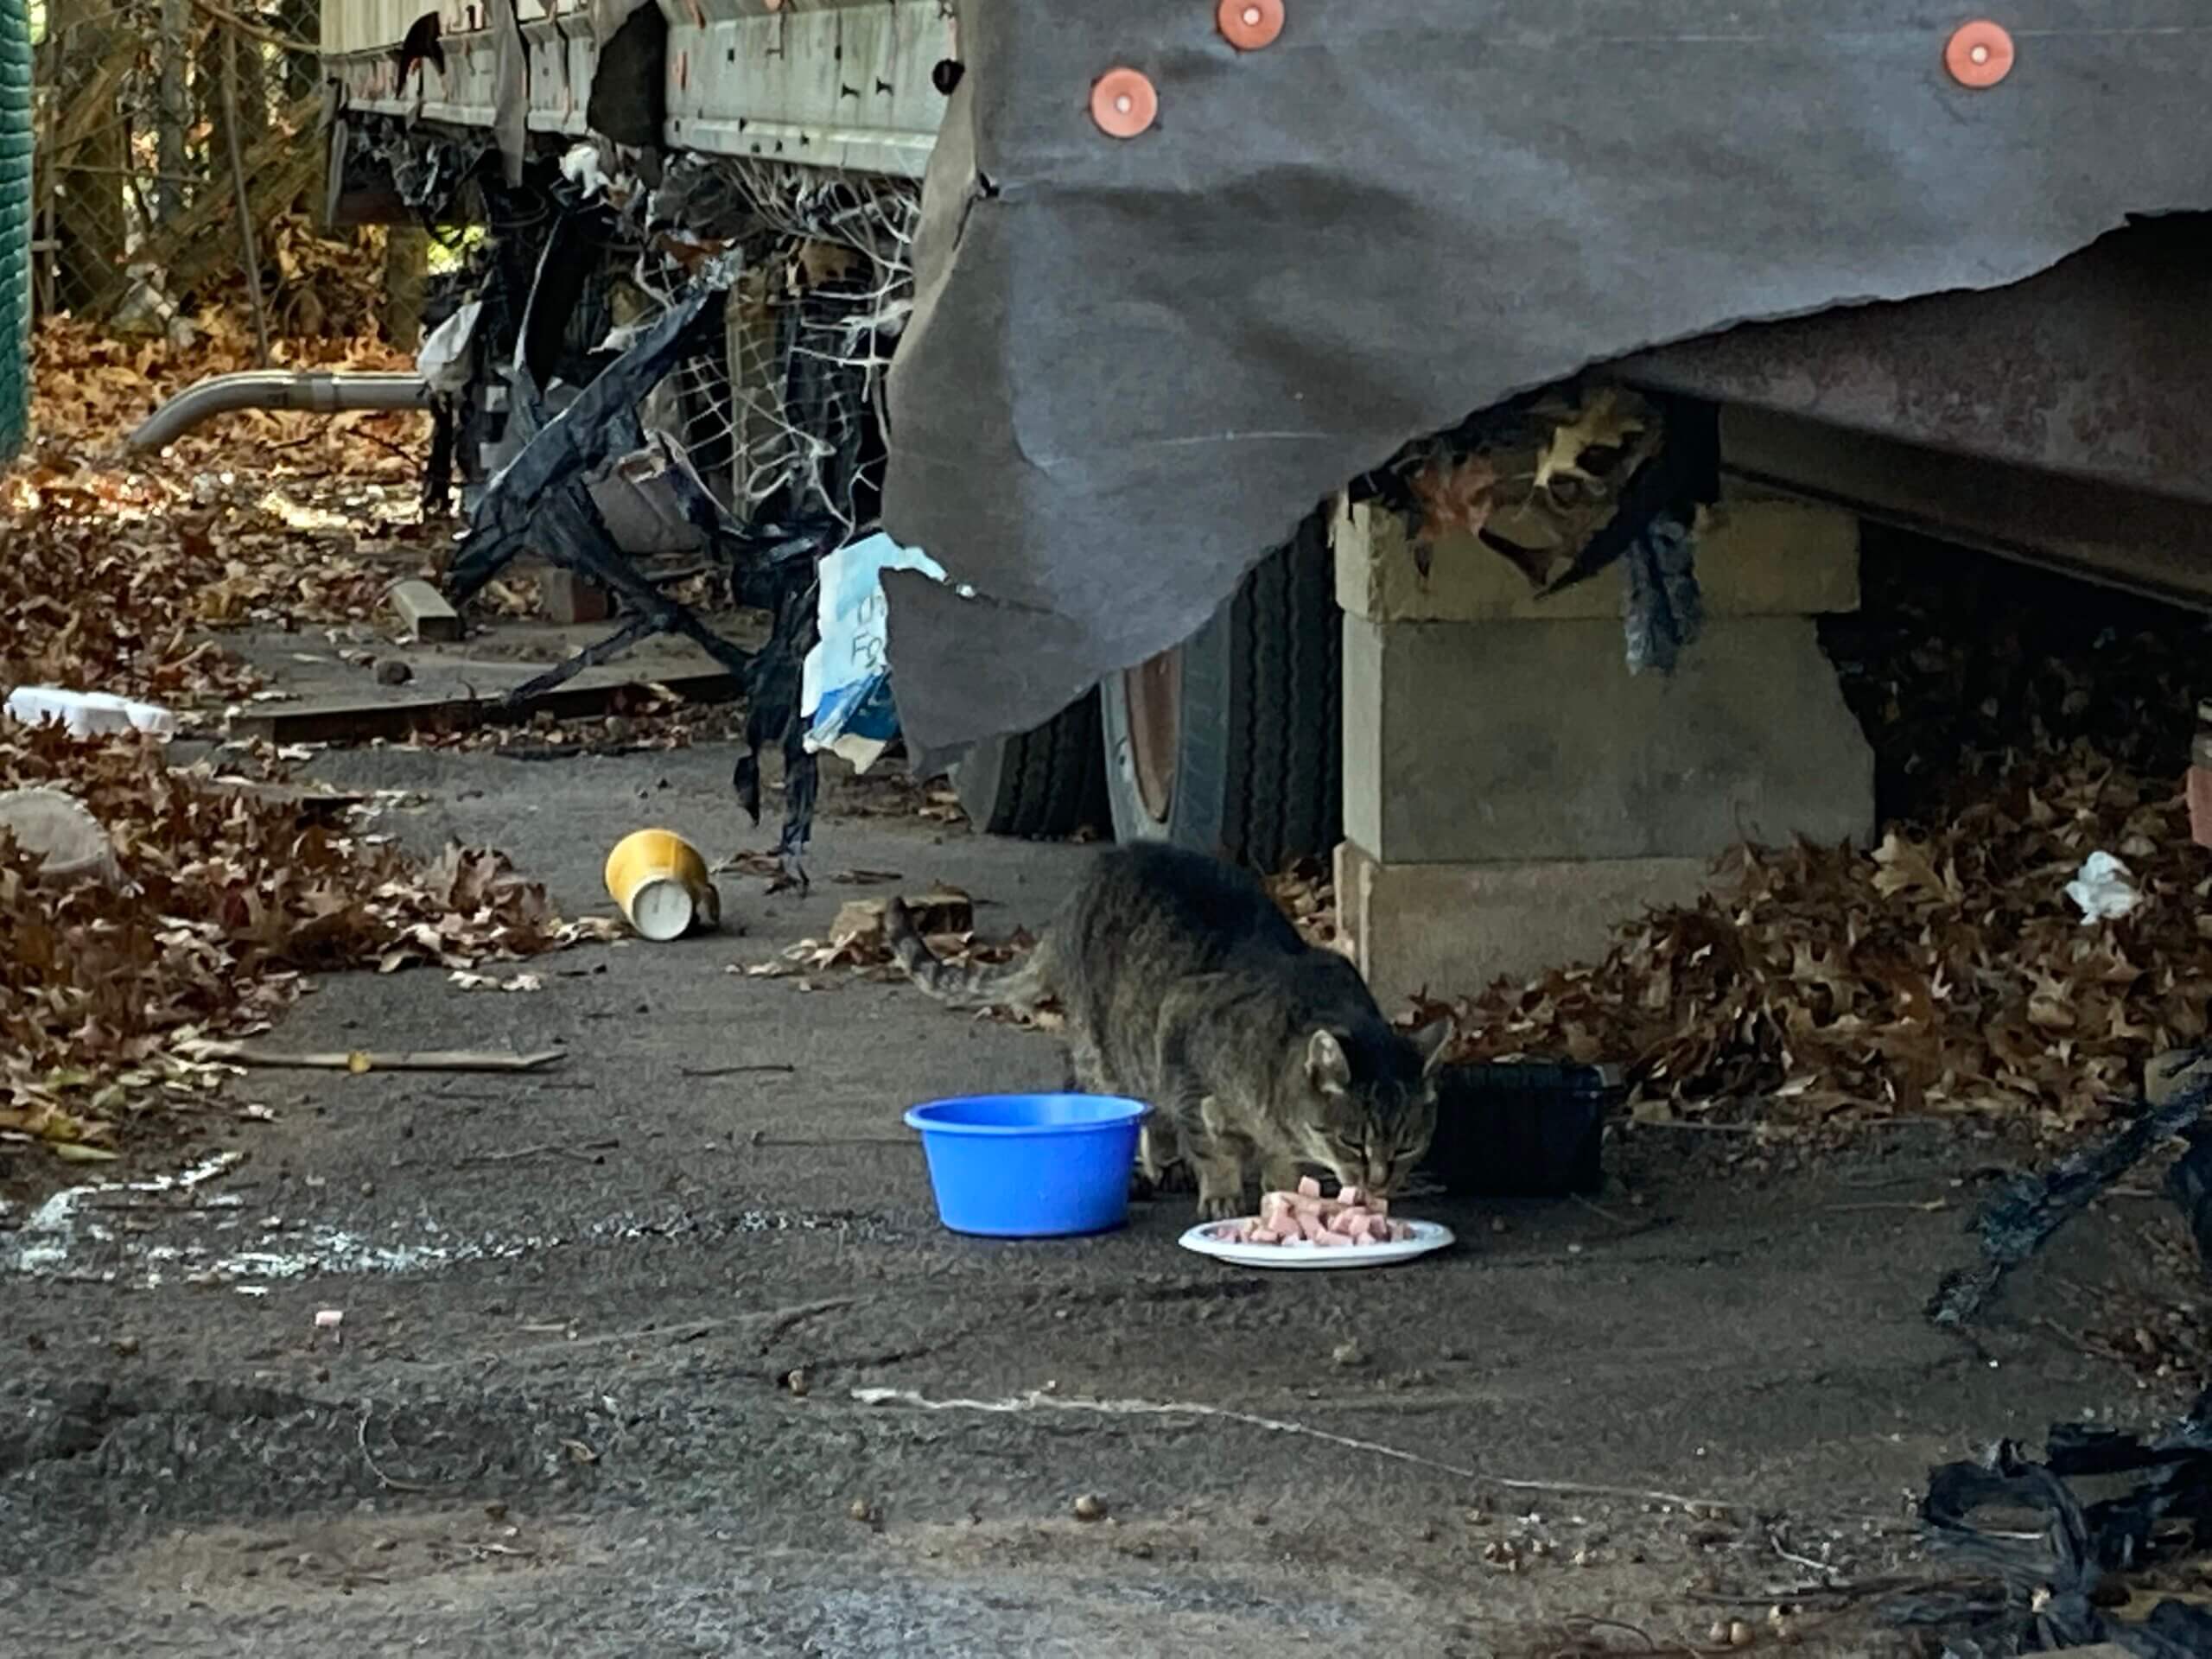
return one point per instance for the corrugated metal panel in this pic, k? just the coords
(838, 84)
(15, 223)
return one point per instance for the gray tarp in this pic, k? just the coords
(1134, 365)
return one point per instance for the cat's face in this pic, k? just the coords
(1371, 1130)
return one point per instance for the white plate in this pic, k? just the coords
(1219, 1239)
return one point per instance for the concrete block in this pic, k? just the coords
(1504, 741)
(566, 598)
(424, 610)
(1455, 929)
(1759, 554)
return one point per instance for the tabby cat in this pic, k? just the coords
(1185, 985)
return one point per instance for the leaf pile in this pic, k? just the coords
(1534, 479)
(1942, 973)
(230, 896)
(324, 285)
(90, 388)
(114, 573)
(113, 582)
(1945, 971)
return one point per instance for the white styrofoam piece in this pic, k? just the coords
(86, 712)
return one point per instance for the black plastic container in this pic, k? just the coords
(1521, 1129)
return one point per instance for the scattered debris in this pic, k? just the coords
(2062, 1583)
(1089, 1507)
(1306, 893)
(333, 1320)
(467, 980)
(110, 569)
(860, 922)
(324, 806)
(1532, 481)
(2018, 1220)
(660, 882)
(232, 899)
(391, 670)
(944, 917)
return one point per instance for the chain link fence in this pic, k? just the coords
(14, 224)
(179, 166)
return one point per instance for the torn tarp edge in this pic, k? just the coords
(1105, 310)
(978, 628)
(2021, 1218)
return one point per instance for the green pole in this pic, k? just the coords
(14, 224)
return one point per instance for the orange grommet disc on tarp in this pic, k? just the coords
(1248, 25)
(1979, 55)
(1123, 103)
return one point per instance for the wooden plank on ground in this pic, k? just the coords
(424, 610)
(362, 722)
(427, 1059)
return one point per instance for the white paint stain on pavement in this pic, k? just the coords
(212, 1241)
(45, 1243)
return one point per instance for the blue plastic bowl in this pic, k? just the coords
(1030, 1165)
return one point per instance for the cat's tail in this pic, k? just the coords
(970, 984)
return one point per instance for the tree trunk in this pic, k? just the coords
(175, 111)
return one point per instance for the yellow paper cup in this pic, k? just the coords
(661, 883)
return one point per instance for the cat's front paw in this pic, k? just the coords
(1220, 1207)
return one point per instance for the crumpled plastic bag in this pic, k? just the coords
(445, 358)
(845, 683)
(2014, 1589)
(2104, 889)
(1663, 608)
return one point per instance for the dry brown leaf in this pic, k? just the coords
(232, 899)
(1455, 495)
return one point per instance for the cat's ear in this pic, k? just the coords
(1326, 1065)
(1432, 1041)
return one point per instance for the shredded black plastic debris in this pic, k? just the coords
(1665, 607)
(2050, 1584)
(2021, 1218)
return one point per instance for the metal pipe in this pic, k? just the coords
(313, 391)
